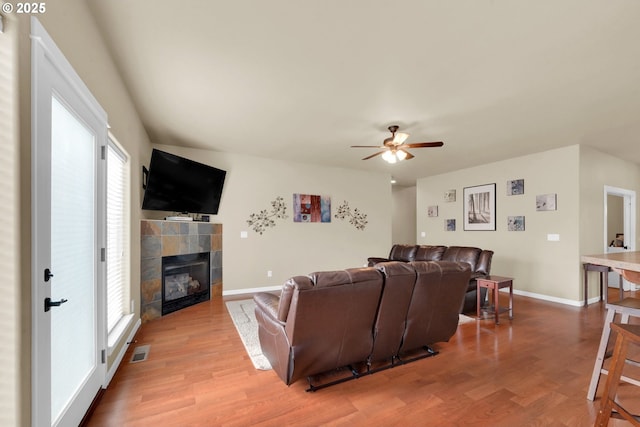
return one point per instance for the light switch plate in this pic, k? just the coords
(244, 234)
(553, 237)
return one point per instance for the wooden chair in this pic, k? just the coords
(609, 408)
(625, 308)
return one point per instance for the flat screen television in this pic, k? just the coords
(177, 184)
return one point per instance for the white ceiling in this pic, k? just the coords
(303, 80)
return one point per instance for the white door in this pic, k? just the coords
(68, 133)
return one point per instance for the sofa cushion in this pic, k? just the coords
(463, 254)
(400, 279)
(405, 253)
(438, 294)
(429, 253)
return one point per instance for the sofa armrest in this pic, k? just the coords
(374, 260)
(484, 263)
(268, 303)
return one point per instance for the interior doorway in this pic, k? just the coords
(619, 226)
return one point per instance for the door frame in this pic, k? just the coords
(45, 53)
(629, 224)
(629, 204)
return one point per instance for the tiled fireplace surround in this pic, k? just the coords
(166, 238)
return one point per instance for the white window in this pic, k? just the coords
(118, 180)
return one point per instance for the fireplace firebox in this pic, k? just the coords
(185, 281)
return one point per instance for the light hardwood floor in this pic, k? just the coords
(532, 371)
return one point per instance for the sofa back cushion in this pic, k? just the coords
(438, 294)
(329, 319)
(466, 254)
(405, 253)
(399, 280)
(429, 253)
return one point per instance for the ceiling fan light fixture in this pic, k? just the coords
(401, 155)
(389, 157)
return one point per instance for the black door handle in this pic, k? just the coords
(47, 274)
(48, 303)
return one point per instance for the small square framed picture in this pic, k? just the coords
(515, 223)
(432, 211)
(450, 196)
(515, 187)
(546, 202)
(449, 225)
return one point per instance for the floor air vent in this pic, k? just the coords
(140, 354)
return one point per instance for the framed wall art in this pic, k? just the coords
(515, 223)
(311, 208)
(546, 202)
(479, 208)
(450, 196)
(432, 211)
(449, 225)
(515, 187)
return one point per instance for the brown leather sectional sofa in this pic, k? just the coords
(478, 259)
(353, 318)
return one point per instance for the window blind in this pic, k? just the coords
(117, 265)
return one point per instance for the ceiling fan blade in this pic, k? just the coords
(409, 155)
(368, 146)
(400, 137)
(373, 155)
(424, 144)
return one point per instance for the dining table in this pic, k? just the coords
(625, 263)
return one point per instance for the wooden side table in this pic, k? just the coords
(495, 283)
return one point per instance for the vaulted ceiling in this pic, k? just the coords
(303, 80)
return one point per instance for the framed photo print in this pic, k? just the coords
(479, 207)
(450, 225)
(546, 202)
(515, 187)
(515, 223)
(432, 211)
(450, 196)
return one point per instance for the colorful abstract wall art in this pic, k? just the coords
(311, 208)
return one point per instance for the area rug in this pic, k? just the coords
(465, 319)
(244, 318)
(242, 314)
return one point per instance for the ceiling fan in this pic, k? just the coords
(394, 147)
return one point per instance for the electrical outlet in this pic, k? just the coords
(244, 234)
(423, 234)
(269, 273)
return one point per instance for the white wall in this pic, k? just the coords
(543, 269)
(597, 171)
(9, 241)
(404, 215)
(289, 248)
(539, 267)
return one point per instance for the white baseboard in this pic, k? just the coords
(251, 290)
(123, 350)
(564, 301)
